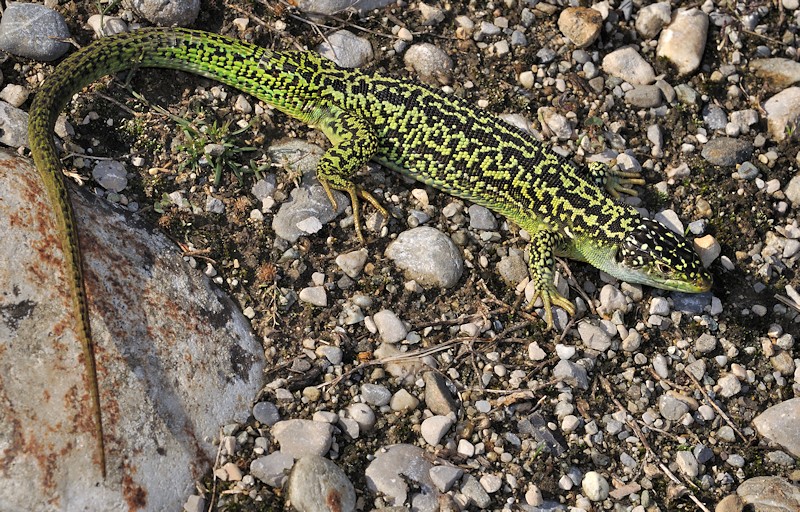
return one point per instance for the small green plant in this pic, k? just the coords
(212, 144)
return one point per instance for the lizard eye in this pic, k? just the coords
(662, 267)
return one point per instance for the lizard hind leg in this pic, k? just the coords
(354, 143)
(542, 269)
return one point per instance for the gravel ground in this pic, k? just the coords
(413, 377)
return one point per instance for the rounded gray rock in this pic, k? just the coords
(266, 413)
(684, 40)
(627, 64)
(33, 31)
(427, 256)
(272, 469)
(437, 395)
(299, 438)
(779, 425)
(430, 62)
(317, 484)
(727, 151)
(390, 327)
(395, 465)
(644, 96)
(346, 49)
(375, 394)
(166, 13)
(672, 408)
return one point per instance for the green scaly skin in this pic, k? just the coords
(440, 140)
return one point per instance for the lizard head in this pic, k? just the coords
(652, 254)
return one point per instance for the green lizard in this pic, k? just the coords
(438, 139)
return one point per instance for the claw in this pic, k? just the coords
(551, 298)
(354, 191)
(620, 182)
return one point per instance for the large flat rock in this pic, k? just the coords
(176, 359)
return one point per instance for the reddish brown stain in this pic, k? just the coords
(134, 494)
(334, 501)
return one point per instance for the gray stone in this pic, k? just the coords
(106, 25)
(313, 7)
(714, 117)
(660, 366)
(264, 188)
(375, 394)
(659, 306)
(266, 413)
(705, 343)
(432, 64)
(13, 123)
(362, 414)
(395, 465)
(702, 453)
(652, 18)
(595, 486)
(644, 96)
(778, 73)
(684, 40)
(778, 424)
(272, 469)
(593, 336)
(783, 113)
(437, 395)
(319, 484)
(628, 65)
(346, 49)
(307, 201)
(427, 256)
(390, 327)
(572, 374)
(770, 493)
(481, 218)
(728, 385)
(314, 295)
(33, 31)
(299, 438)
(687, 464)
(472, 489)
(792, 189)
(686, 94)
(726, 151)
(672, 408)
(556, 122)
(14, 94)
(166, 369)
(512, 268)
(166, 13)
(403, 401)
(445, 476)
(352, 263)
(434, 428)
(611, 300)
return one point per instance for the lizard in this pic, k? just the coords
(438, 139)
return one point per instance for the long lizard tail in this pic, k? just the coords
(275, 78)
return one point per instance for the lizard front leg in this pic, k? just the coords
(354, 143)
(615, 181)
(542, 270)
